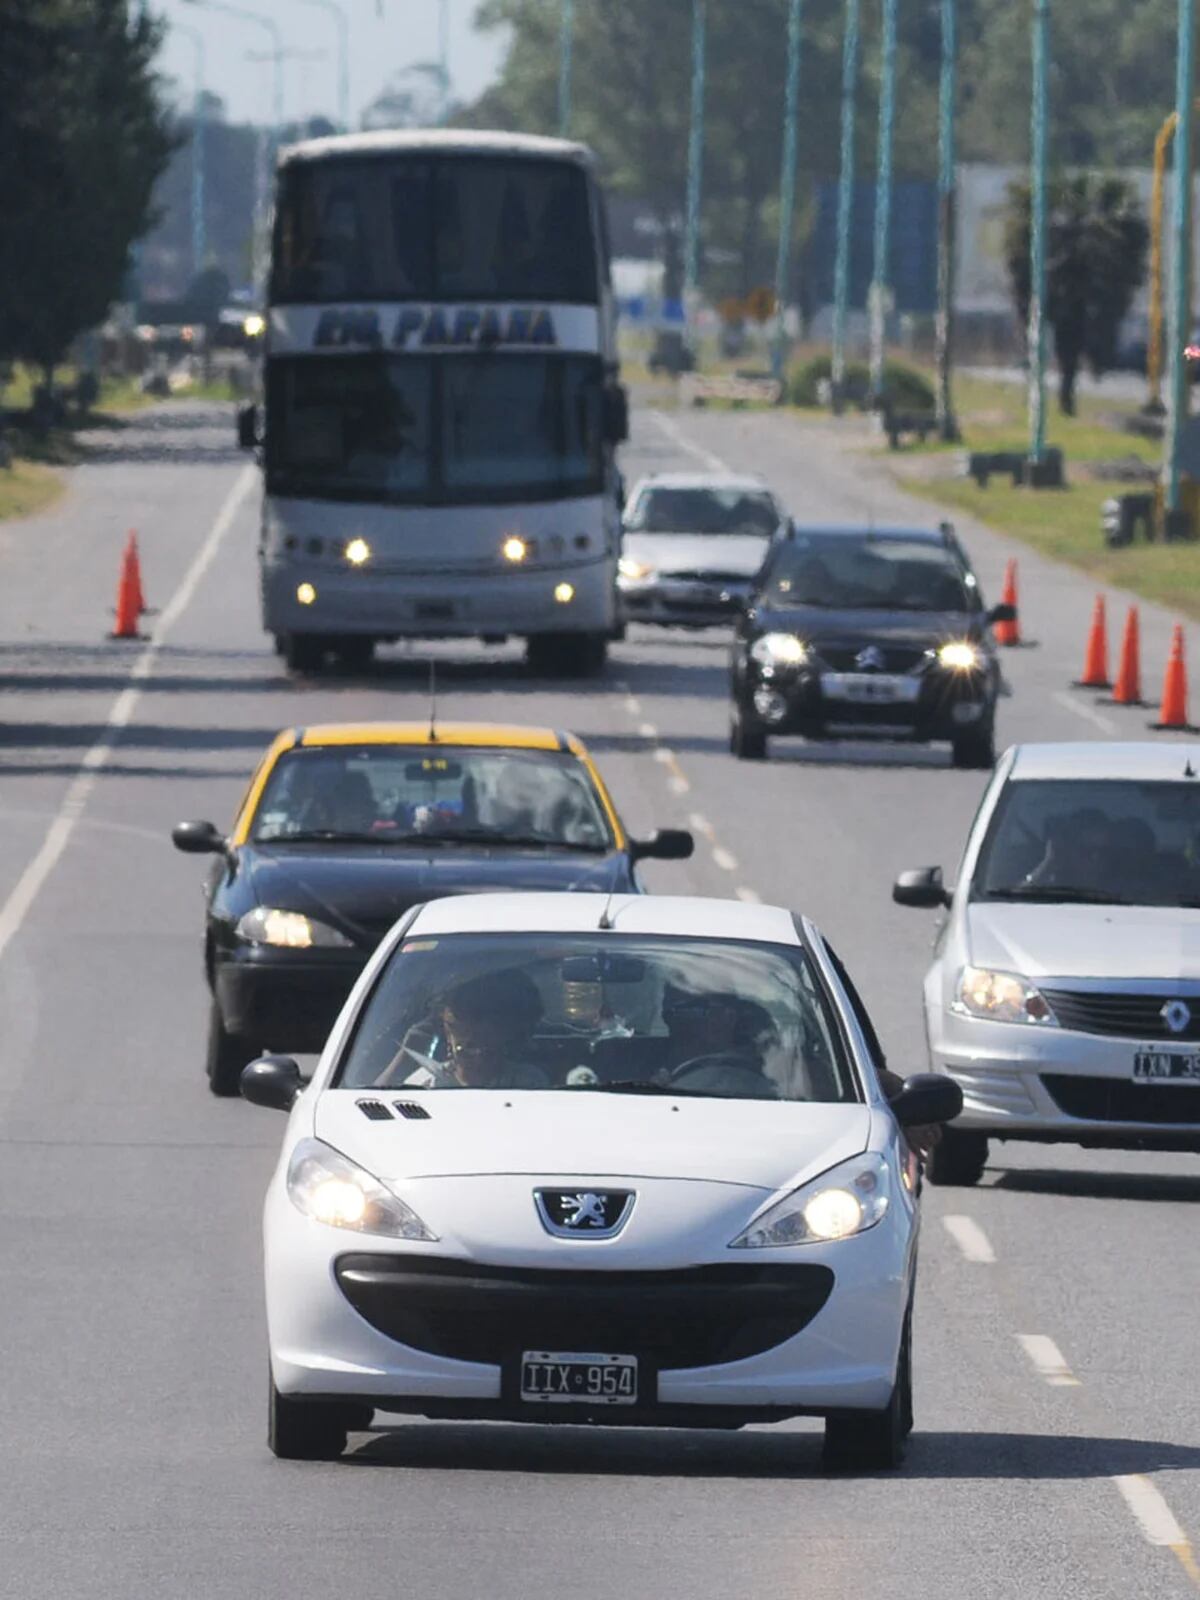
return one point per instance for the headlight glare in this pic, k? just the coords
(289, 930)
(357, 552)
(779, 650)
(514, 548)
(1001, 997)
(960, 656)
(629, 568)
(330, 1188)
(848, 1199)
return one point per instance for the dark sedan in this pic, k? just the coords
(345, 827)
(880, 629)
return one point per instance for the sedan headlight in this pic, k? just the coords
(330, 1188)
(848, 1199)
(629, 568)
(1001, 997)
(960, 656)
(779, 650)
(290, 930)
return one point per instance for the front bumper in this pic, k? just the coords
(936, 704)
(680, 604)
(1054, 1085)
(283, 1001)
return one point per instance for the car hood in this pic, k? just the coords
(1077, 941)
(362, 891)
(581, 1135)
(738, 554)
(910, 629)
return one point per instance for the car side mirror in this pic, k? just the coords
(927, 1098)
(668, 844)
(198, 838)
(1002, 613)
(616, 415)
(247, 427)
(274, 1082)
(922, 888)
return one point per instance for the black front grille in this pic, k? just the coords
(1122, 1100)
(695, 1317)
(1121, 1016)
(844, 657)
(727, 580)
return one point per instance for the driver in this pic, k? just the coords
(705, 1024)
(1078, 852)
(487, 1024)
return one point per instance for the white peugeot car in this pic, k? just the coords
(666, 1188)
(1064, 996)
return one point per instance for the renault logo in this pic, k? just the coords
(870, 659)
(1177, 1016)
(584, 1213)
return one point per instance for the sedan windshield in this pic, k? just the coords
(1093, 842)
(396, 794)
(602, 1014)
(705, 511)
(852, 572)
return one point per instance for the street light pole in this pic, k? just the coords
(883, 199)
(691, 275)
(841, 271)
(1179, 318)
(1037, 237)
(566, 45)
(199, 244)
(787, 181)
(947, 219)
(342, 24)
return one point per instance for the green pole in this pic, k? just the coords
(883, 199)
(787, 181)
(566, 44)
(841, 270)
(691, 270)
(1037, 237)
(947, 195)
(1179, 317)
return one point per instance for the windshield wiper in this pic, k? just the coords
(497, 836)
(1060, 894)
(316, 836)
(639, 1086)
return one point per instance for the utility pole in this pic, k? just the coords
(199, 243)
(883, 200)
(566, 45)
(841, 271)
(1179, 318)
(342, 24)
(444, 56)
(947, 218)
(787, 182)
(691, 273)
(1037, 236)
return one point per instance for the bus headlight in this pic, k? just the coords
(357, 552)
(306, 594)
(565, 593)
(514, 549)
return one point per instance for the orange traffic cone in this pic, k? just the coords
(1128, 691)
(1173, 711)
(131, 555)
(1008, 633)
(1095, 664)
(128, 586)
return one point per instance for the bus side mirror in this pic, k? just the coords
(616, 415)
(247, 427)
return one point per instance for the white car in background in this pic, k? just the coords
(576, 1158)
(692, 545)
(1064, 995)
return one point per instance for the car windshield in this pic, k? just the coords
(396, 794)
(852, 572)
(1102, 841)
(705, 511)
(600, 1013)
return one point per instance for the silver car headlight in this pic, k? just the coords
(634, 570)
(290, 930)
(1001, 997)
(330, 1188)
(848, 1199)
(779, 650)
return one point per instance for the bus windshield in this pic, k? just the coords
(419, 227)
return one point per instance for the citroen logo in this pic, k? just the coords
(1177, 1016)
(584, 1213)
(870, 659)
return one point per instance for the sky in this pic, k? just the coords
(380, 46)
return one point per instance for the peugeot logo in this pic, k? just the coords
(870, 659)
(1177, 1016)
(584, 1213)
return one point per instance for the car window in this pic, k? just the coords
(720, 1018)
(851, 573)
(704, 510)
(861, 1015)
(1096, 840)
(397, 793)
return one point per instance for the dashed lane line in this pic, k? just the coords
(1048, 1360)
(648, 730)
(970, 1239)
(1081, 708)
(726, 862)
(1157, 1521)
(749, 896)
(689, 447)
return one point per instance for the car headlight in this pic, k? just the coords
(848, 1199)
(779, 650)
(960, 656)
(1001, 997)
(330, 1188)
(290, 930)
(629, 568)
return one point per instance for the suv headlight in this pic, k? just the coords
(290, 930)
(779, 650)
(1001, 997)
(960, 656)
(330, 1188)
(848, 1199)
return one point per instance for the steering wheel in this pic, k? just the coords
(744, 1075)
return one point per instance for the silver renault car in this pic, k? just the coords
(1064, 995)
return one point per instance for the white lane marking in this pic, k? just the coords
(1048, 1360)
(678, 784)
(648, 730)
(633, 705)
(724, 860)
(664, 755)
(1154, 1516)
(702, 825)
(970, 1239)
(749, 896)
(689, 447)
(1089, 713)
(29, 885)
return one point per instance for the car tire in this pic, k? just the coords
(958, 1160)
(566, 655)
(747, 736)
(303, 652)
(307, 1430)
(976, 749)
(875, 1440)
(228, 1053)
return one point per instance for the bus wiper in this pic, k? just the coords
(1058, 894)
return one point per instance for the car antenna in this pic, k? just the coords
(606, 920)
(433, 702)
(1189, 770)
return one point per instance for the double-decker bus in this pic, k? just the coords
(440, 403)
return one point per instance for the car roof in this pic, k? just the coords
(673, 916)
(701, 480)
(1147, 759)
(861, 530)
(485, 735)
(434, 141)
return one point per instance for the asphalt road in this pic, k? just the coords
(1058, 1413)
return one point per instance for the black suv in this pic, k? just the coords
(854, 628)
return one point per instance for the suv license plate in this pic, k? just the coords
(551, 1377)
(1165, 1066)
(869, 688)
